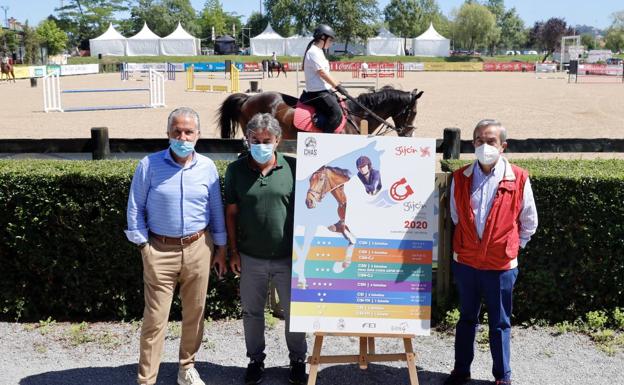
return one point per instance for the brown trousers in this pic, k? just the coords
(164, 266)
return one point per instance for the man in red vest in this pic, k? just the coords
(494, 212)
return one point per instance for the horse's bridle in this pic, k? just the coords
(411, 114)
(318, 195)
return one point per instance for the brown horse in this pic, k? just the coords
(7, 70)
(271, 65)
(387, 102)
(331, 180)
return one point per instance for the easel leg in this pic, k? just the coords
(315, 360)
(411, 361)
(363, 362)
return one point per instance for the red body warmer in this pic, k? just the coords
(499, 247)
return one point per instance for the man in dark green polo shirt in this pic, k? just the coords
(259, 197)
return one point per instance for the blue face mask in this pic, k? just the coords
(262, 153)
(181, 148)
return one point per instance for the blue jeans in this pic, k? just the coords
(496, 288)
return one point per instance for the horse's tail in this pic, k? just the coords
(229, 112)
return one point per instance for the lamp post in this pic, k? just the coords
(5, 8)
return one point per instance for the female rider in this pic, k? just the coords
(319, 82)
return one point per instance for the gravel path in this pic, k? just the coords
(106, 354)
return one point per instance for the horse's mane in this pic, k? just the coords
(386, 94)
(340, 171)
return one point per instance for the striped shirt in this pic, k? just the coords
(169, 199)
(482, 194)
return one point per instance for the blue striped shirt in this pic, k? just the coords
(169, 199)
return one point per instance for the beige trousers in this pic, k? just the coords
(164, 266)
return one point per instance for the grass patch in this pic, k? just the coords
(46, 326)
(269, 320)
(78, 334)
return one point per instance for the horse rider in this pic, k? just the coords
(274, 59)
(319, 82)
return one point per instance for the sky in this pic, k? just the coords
(595, 12)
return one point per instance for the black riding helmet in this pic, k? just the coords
(323, 30)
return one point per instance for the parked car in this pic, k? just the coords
(615, 61)
(530, 52)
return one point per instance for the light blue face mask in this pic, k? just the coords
(262, 152)
(181, 148)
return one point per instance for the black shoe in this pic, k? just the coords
(298, 372)
(254, 373)
(457, 379)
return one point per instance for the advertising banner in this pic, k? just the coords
(212, 67)
(79, 69)
(410, 66)
(466, 67)
(600, 69)
(508, 67)
(365, 229)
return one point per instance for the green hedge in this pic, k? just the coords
(64, 254)
(63, 250)
(575, 262)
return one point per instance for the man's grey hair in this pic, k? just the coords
(491, 123)
(182, 111)
(260, 122)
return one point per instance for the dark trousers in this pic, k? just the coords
(496, 288)
(328, 112)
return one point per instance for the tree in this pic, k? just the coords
(534, 36)
(52, 36)
(86, 19)
(617, 20)
(474, 26)
(513, 34)
(256, 23)
(551, 33)
(614, 40)
(355, 19)
(589, 41)
(213, 16)
(8, 40)
(410, 18)
(31, 44)
(162, 16)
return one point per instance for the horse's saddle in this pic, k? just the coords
(304, 114)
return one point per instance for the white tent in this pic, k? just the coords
(385, 44)
(144, 43)
(179, 43)
(110, 43)
(268, 42)
(431, 43)
(296, 45)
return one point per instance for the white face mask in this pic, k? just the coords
(486, 154)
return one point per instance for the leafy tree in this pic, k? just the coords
(31, 44)
(617, 19)
(213, 15)
(551, 33)
(410, 18)
(8, 40)
(355, 19)
(51, 36)
(474, 26)
(513, 34)
(162, 16)
(534, 36)
(86, 19)
(614, 40)
(589, 41)
(257, 23)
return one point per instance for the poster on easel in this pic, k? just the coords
(365, 232)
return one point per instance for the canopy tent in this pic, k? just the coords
(110, 43)
(385, 44)
(268, 42)
(144, 43)
(225, 45)
(179, 43)
(431, 43)
(296, 45)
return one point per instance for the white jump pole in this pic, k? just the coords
(157, 89)
(52, 92)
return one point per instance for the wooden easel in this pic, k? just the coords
(367, 354)
(367, 342)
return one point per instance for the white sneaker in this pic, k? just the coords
(189, 377)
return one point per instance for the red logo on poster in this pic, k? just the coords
(398, 196)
